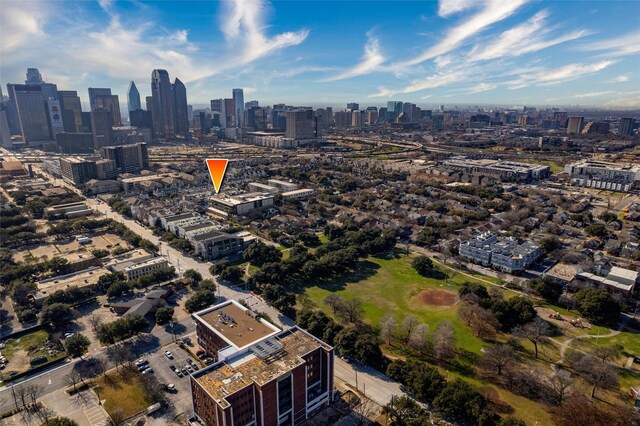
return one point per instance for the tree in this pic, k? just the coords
(599, 374)
(56, 315)
(118, 289)
(233, 274)
(334, 301)
(73, 378)
(513, 312)
(560, 383)
(61, 421)
(164, 314)
(351, 310)
(607, 353)
(388, 326)
(550, 244)
(482, 321)
(361, 346)
(578, 410)
(423, 266)
(511, 421)
(404, 411)
(193, 276)
(94, 322)
(597, 305)
(258, 253)
(498, 358)
(536, 331)
(77, 345)
(200, 300)
(461, 402)
(444, 344)
(607, 217)
(596, 230)
(546, 289)
(219, 266)
(473, 292)
(408, 323)
(419, 337)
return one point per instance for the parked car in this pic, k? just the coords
(140, 361)
(148, 371)
(168, 354)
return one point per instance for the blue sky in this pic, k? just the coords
(467, 52)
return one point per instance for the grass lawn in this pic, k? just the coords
(391, 285)
(122, 393)
(629, 341)
(35, 339)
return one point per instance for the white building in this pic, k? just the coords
(603, 175)
(506, 254)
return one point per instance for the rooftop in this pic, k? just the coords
(236, 324)
(82, 278)
(227, 377)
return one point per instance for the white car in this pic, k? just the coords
(140, 362)
(148, 371)
(168, 354)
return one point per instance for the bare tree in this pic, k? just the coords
(535, 331)
(351, 310)
(388, 326)
(94, 322)
(408, 323)
(73, 379)
(560, 383)
(607, 353)
(334, 301)
(419, 337)
(482, 321)
(22, 394)
(34, 391)
(444, 341)
(117, 417)
(498, 358)
(598, 374)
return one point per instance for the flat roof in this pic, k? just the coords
(82, 278)
(228, 377)
(297, 191)
(236, 324)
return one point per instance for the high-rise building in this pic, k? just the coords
(49, 90)
(181, 108)
(71, 110)
(5, 132)
(626, 126)
(75, 143)
(130, 158)
(101, 98)
(133, 98)
(230, 113)
(162, 113)
(77, 170)
(358, 118)
(54, 114)
(394, 108)
(238, 100)
(574, 125)
(140, 118)
(596, 127)
(262, 375)
(251, 104)
(353, 105)
(279, 117)
(437, 122)
(30, 112)
(148, 101)
(257, 118)
(343, 119)
(34, 77)
(372, 116)
(101, 127)
(301, 124)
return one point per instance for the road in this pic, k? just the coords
(373, 384)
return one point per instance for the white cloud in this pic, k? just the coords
(371, 60)
(242, 23)
(628, 44)
(621, 78)
(451, 7)
(430, 82)
(592, 94)
(527, 37)
(22, 24)
(482, 87)
(629, 102)
(557, 75)
(492, 12)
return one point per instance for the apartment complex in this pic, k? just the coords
(240, 204)
(504, 253)
(508, 171)
(263, 376)
(603, 175)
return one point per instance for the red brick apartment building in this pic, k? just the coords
(262, 376)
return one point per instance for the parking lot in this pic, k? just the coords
(160, 363)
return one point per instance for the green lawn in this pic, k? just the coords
(122, 393)
(35, 339)
(629, 341)
(391, 285)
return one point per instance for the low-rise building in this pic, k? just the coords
(504, 253)
(261, 187)
(108, 186)
(67, 211)
(616, 280)
(263, 376)
(506, 171)
(86, 278)
(603, 175)
(298, 193)
(282, 185)
(215, 244)
(239, 205)
(134, 269)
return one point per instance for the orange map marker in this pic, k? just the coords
(217, 168)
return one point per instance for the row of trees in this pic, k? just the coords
(120, 329)
(115, 284)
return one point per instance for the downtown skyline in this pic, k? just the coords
(329, 53)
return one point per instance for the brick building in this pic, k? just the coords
(262, 376)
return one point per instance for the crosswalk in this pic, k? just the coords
(96, 415)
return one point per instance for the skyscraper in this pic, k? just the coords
(626, 126)
(230, 113)
(34, 77)
(5, 133)
(31, 113)
(133, 97)
(394, 108)
(180, 106)
(575, 125)
(101, 98)
(54, 114)
(238, 99)
(353, 105)
(71, 110)
(301, 124)
(162, 113)
(101, 127)
(251, 104)
(49, 90)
